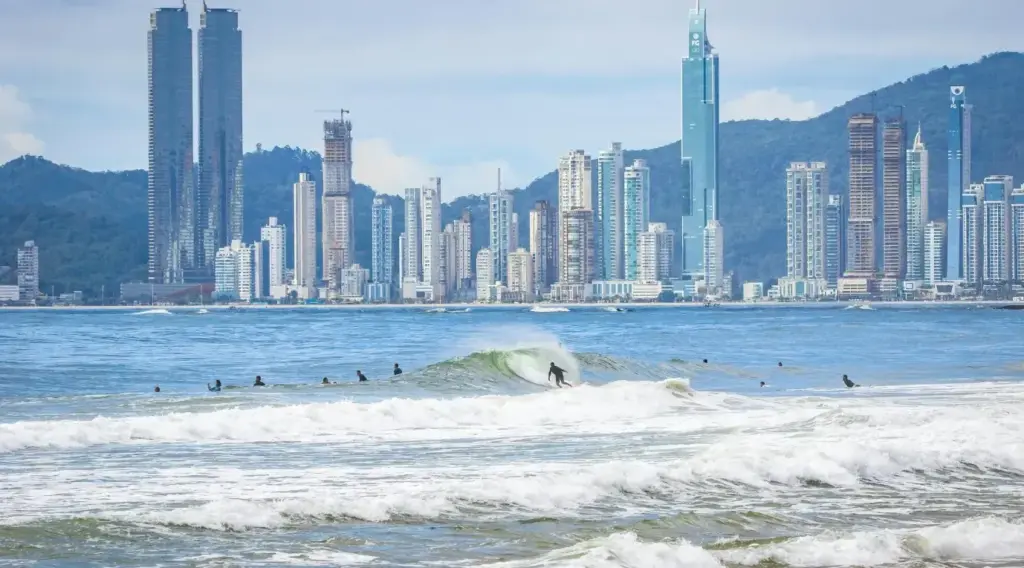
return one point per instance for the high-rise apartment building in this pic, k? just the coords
(934, 251)
(997, 247)
(513, 232)
(235, 272)
(338, 251)
(382, 262)
(655, 251)
(699, 144)
(542, 246)
(893, 195)
(463, 251)
(576, 254)
(608, 217)
(835, 240)
(304, 206)
(484, 276)
(806, 206)
(276, 237)
(917, 207)
(636, 214)
(863, 148)
(448, 281)
(430, 219)
(520, 274)
(221, 184)
(500, 231)
(958, 143)
(401, 258)
(574, 193)
(971, 226)
(28, 272)
(411, 267)
(1017, 235)
(170, 195)
(714, 254)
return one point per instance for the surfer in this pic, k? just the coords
(325, 381)
(705, 361)
(362, 377)
(398, 370)
(780, 363)
(558, 372)
(848, 382)
(762, 383)
(215, 387)
(259, 382)
(156, 389)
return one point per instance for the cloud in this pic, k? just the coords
(768, 104)
(377, 164)
(14, 114)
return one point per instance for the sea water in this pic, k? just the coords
(470, 458)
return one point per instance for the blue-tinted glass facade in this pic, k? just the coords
(959, 162)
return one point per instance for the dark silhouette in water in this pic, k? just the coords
(558, 372)
(780, 363)
(705, 361)
(762, 383)
(398, 370)
(215, 387)
(848, 382)
(325, 381)
(259, 382)
(362, 377)
(156, 389)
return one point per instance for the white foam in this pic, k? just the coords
(156, 312)
(548, 309)
(621, 550)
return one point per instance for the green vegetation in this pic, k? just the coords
(91, 226)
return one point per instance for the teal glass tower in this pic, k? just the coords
(699, 142)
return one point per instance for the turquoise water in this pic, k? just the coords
(471, 458)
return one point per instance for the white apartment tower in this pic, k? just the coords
(520, 274)
(714, 255)
(484, 277)
(576, 254)
(500, 230)
(276, 237)
(430, 199)
(655, 254)
(574, 192)
(636, 213)
(411, 269)
(449, 261)
(382, 260)
(304, 206)
(543, 246)
(337, 201)
(806, 201)
(996, 235)
(235, 272)
(971, 231)
(28, 272)
(934, 252)
(917, 206)
(1017, 235)
(463, 251)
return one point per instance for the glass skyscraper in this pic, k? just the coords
(917, 206)
(608, 225)
(636, 212)
(699, 143)
(959, 177)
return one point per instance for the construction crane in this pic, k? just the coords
(341, 112)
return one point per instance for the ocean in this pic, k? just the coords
(471, 457)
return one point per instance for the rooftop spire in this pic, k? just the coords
(918, 143)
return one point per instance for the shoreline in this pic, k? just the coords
(532, 306)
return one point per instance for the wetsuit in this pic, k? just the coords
(558, 373)
(848, 382)
(259, 383)
(398, 370)
(214, 388)
(362, 377)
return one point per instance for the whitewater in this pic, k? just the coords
(472, 457)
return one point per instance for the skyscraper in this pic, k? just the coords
(860, 257)
(382, 260)
(576, 257)
(971, 231)
(500, 231)
(464, 251)
(337, 201)
(1017, 235)
(574, 192)
(934, 251)
(430, 243)
(411, 268)
(996, 254)
(806, 206)
(484, 278)
(275, 236)
(28, 272)
(608, 220)
(220, 196)
(520, 274)
(304, 205)
(448, 280)
(917, 206)
(699, 142)
(893, 208)
(655, 253)
(714, 253)
(835, 240)
(170, 192)
(958, 160)
(636, 214)
(542, 246)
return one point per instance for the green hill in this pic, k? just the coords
(91, 226)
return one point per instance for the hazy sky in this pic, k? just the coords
(458, 88)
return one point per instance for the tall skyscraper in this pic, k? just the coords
(958, 160)
(170, 192)
(860, 257)
(401, 258)
(304, 205)
(655, 252)
(382, 260)
(608, 219)
(714, 253)
(917, 206)
(337, 201)
(996, 256)
(699, 143)
(520, 274)
(893, 208)
(806, 206)
(500, 231)
(835, 240)
(484, 277)
(411, 267)
(274, 234)
(576, 254)
(934, 251)
(28, 272)
(636, 214)
(513, 232)
(971, 230)
(448, 280)
(574, 192)
(220, 196)
(542, 246)
(235, 272)
(1017, 235)
(430, 244)
(464, 251)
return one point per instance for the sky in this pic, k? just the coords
(460, 88)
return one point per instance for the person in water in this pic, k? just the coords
(215, 387)
(325, 381)
(705, 361)
(361, 376)
(849, 384)
(762, 383)
(398, 370)
(780, 363)
(259, 382)
(156, 389)
(559, 374)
